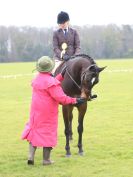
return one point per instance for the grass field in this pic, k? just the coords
(108, 126)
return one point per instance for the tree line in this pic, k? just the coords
(29, 43)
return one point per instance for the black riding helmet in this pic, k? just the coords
(62, 17)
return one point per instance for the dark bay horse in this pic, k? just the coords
(82, 73)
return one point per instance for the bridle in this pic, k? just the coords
(82, 75)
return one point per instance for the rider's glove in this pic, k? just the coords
(66, 57)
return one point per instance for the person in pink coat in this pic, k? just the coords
(41, 130)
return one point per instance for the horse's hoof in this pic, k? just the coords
(81, 153)
(68, 155)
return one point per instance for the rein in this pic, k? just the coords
(73, 79)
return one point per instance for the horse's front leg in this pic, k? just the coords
(65, 110)
(82, 110)
(70, 115)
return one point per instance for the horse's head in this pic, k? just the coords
(89, 78)
(82, 74)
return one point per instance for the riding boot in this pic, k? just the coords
(46, 156)
(32, 150)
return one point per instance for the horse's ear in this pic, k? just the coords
(92, 68)
(101, 69)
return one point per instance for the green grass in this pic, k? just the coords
(108, 127)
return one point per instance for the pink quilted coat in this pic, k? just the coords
(41, 130)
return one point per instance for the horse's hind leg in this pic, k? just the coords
(82, 110)
(65, 110)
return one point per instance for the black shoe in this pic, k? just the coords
(93, 96)
(30, 162)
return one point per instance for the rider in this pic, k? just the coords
(65, 34)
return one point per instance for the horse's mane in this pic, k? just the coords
(79, 55)
(84, 56)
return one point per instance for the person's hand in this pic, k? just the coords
(80, 101)
(63, 71)
(66, 57)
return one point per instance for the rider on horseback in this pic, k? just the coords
(65, 35)
(66, 42)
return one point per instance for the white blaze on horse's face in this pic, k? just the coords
(93, 80)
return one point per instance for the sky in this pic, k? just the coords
(43, 13)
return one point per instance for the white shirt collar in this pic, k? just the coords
(66, 30)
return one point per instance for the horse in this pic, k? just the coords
(82, 73)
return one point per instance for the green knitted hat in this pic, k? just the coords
(45, 64)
